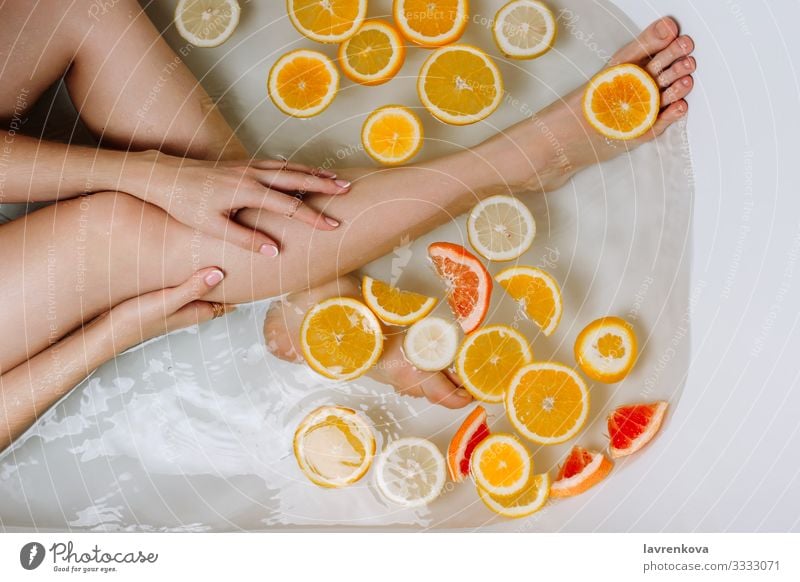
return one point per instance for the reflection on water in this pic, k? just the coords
(192, 432)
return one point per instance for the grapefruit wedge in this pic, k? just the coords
(581, 470)
(471, 432)
(469, 285)
(632, 426)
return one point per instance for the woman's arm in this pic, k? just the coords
(204, 195)
(31, 388)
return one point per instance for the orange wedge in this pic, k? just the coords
(581, 470)
(538, 294)
(431, 24)
(472, 431)
(393, 305)
(622, 102)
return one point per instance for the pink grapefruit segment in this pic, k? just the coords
(469, 285)
(632, 426)
(471, 432)
(581, 470)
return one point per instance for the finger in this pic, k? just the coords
(293, 207)
(247, 238)
(196, 312)
(292, 166)
(678, 90)
(654, 38)
(299, 182)
(440, 390)
(679, 69)
(192, 289)
(680, 47)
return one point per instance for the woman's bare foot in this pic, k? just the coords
(282, 333)
(572, 143)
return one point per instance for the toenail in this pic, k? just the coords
(685, 82)
(684, 42)
(688, 64)
(662, 29)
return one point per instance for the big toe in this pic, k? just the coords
(650, 42)
(439, 389)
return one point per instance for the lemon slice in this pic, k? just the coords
(622, 102)
(606, 349)
(341, 338)
(393, 305)
(334, 446)
(524, 29)
(527, 502)
(206, 23)
(488, 358)
(410, 472)
(392, 135)
(303, 83)
(459, 84)
(373, 55)
(501, 465)
(547, 402)
(431, 344)
(327, 20)
(501, 228)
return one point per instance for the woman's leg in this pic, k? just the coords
(146, 250)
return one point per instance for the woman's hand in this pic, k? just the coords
(158, 312)
(206, 195)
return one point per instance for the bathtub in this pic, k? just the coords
(192, 432)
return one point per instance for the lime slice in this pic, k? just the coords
(410, 472)
(207, 23)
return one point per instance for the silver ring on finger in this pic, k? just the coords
(285, 161)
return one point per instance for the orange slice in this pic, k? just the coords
(527, 502)
(547, 402)
(606, 349)
(327, 20)
(471, 432)
(334, 446)
(581, 470)
(622, 102)
(488, 359)
(394, 306)
(374, 54)
(538, 293)
(459, 84)
(632, 427)
(501, 465)
(303, 83)
(392, 135)
(341, 338)
(429, 23)
(469, 285)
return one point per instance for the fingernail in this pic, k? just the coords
(214, 277)
(462, 393)
(328, 174)
(331, 221)
(662, 29)
(342, 183)
(268, 250)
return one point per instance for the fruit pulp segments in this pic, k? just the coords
(480, 433)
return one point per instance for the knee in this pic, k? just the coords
(277, 335)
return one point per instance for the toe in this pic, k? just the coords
(667, 117)
(680, 47)
(652, 40)
(439, 389)
(678, 90)
(680, 68)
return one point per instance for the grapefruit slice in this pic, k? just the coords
(469, 285)
(471, 432)
(581, 470)
(632, 426)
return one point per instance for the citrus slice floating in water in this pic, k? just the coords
(501, 228)
(431, 344)
(431, 24)
(410, 472)
(527, 502)
(631, 427)
(580, 471)
(373, 55)
(303, 83)
(524, 29)
(501, 465)
(538, 294)
(334, 446)
(341, 338)
(606, 349)
(469, 285)
(392, 135)
(327, 20)
(393, 305)
(206, 23)
(471, 432)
